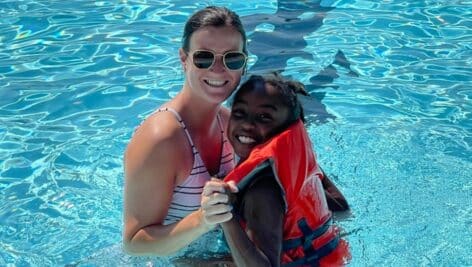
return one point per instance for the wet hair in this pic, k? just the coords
(212, 16)
(288, 89)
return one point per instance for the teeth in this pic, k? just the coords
(215, 82)
(246, 140)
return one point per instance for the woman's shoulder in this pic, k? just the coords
(156, 144)
(161, 130)
(160, 126)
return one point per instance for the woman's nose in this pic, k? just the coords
(218, 65)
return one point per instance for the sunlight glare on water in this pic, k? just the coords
(391, 123)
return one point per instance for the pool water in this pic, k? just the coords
(391, 124)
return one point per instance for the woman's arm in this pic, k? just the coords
(151, 164)
(263, 211)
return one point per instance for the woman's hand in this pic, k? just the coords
(215, 204)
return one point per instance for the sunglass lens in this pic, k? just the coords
(234, 60)
(203, 59)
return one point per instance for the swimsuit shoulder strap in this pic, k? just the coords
(182, 124)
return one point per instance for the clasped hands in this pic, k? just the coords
(216, 203)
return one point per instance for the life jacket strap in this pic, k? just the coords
(308, 235)
(312, 255)
(312, 258)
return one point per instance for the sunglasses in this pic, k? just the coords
(233, 60)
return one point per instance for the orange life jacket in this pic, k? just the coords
(309, 237)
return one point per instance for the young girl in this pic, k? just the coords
(282, 214)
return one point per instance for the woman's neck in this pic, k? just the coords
(197, 113)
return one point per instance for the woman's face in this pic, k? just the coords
(256, 115)
(217, 82)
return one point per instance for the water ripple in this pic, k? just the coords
(77, 77)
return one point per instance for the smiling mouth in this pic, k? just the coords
(246, 140)
(215, 83)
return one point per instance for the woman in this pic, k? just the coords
(182, 145)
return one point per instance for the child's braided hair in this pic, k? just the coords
(289, 89)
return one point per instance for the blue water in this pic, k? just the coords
(392, 125)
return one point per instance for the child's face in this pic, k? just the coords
(255, 115)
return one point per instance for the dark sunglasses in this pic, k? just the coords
(233, 60)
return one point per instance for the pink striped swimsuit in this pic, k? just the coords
(187, 195)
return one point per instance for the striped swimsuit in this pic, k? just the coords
(187, 195)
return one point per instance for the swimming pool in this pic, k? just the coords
(393, 126)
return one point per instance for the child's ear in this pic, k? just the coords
(183, 58)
